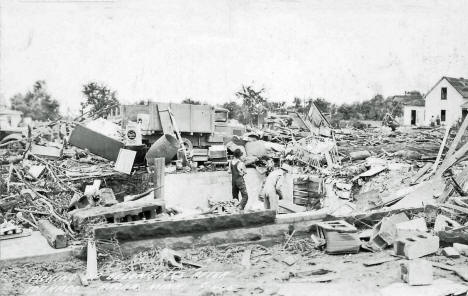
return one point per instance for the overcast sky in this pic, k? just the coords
(343, 50)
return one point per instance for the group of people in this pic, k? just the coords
(272, 187)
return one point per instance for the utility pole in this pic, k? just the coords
(2, 99)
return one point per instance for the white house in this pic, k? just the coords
(413, 115)
(447, 100)
(413, 108)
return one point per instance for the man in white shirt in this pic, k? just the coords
(272, 189)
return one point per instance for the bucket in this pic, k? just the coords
(166, 147)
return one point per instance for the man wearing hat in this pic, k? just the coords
(272, 189)
(238, 170)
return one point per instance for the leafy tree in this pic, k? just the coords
(279, 107)
(253, 102)
(235, 110)
(323, 105)
(298, 107)
(99, 98)
(37, 104)
(190, 101)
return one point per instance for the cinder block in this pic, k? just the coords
(416, 246)
(450, 252)
(416, 272)
(404, 229)
(461, 248)
(385, 231)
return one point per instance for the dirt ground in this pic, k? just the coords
(296, 270)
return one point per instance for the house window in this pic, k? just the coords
(442, 115)
(443, 93)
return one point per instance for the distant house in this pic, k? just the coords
(447, 100)
(413, 108)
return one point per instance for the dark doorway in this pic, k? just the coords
(413, 117)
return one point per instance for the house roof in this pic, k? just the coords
(409, 100)
(460, 85)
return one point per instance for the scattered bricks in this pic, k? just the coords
(416, 246)
(404, 229)
(385, 231)
(55, 237)
(177, 226)
(461, 248)
(450, 252)
(416, 272)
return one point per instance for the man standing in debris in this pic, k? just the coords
(238, 170)
(272, 189)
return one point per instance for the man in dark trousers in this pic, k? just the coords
(238, 170)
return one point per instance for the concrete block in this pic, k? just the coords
(404, 229)
(450, 252)
(461, 248)
(443, 223)
(385, 231)
(417, 245)
(416, 272)
(107, 197)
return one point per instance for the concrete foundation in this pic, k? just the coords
(33, 248)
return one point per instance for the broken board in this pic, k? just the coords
(125, 160)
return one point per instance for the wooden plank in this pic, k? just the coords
(166, 121)
(158, 179)
(56, 238)
(441, 149)
(125, 160)
(458, 137)
(378, 261)
(459, 154)
(420, 173)
(455, 207)
(91, 263)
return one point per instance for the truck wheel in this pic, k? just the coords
(188, 145)
(13, 145)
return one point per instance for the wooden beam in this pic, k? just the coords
(449, 161)
(458, 137)
(416, 178)
(56, 238)
(158, 179)
(441, 149)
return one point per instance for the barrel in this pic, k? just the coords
(166, 147)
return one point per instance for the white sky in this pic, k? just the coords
(167, 50)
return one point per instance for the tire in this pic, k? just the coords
(188, 145)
